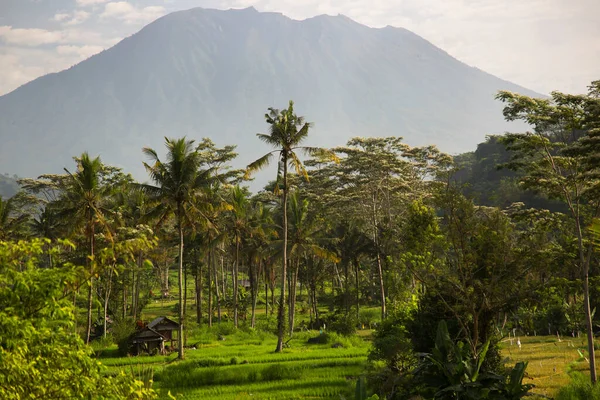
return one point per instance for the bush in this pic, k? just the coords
(368, 317)
(122, 330)
(392, 346)
(225, 328)
(580, 388)
(342, 324)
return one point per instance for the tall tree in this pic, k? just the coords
(177, 181)
(83, 200)
(307, 239)
(11, 221)
(286, 134)
(559, 158)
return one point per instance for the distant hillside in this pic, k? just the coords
(8, 186)
(214, 73)
(482, 180)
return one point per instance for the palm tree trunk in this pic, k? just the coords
(266, 294)
(281, 311)
(198, 284)
(293, 295)
(185, 298)
(210, 266)
(235, 280)
(356, 273)
(106, 296)
(254, 286)
(217, 296)
(91, 288)
(124, 299)
(346, 288)
(181, 354)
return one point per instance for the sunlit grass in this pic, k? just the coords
(549, 359)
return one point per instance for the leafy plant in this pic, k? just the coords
(451, 372)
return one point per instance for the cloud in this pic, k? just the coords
(61, 17)
(16, 73)
(87, 3)
(29, 37)
(34, 37)
(75, 18)
(131, 14)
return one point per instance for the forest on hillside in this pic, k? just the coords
(442, 256)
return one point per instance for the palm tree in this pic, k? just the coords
(286, 133)
(83, 198)
(306, 239)
(239, 208)
(10, 221)
(177, 182)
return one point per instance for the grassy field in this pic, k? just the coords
(244, 366)
(549, 359)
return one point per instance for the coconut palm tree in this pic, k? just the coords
(286, 134)
(82, 201)
(177, 182)
(11, 221)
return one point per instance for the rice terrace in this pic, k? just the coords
(301, 200)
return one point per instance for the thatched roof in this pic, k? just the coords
(163, 324)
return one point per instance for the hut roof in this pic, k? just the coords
(148, 335)
(163, 323)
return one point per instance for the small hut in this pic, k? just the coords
(165, 327)
(153, 336)
(148, 341)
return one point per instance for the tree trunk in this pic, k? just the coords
(180, 354)
(210, 278)
(185, 298)
(106, 296)
(346, 288)
(254, 278)
(90, 291)
(585, 264)
(281, 311)
(217, 296)
(356, 272)
(198, 286)
(266, 294)
(293, 295)
(235, 280)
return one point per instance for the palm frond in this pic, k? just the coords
(258, 164)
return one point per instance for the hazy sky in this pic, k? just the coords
(544, 45)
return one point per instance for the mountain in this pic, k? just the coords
(211, 73)
(8, 186)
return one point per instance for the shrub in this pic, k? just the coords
(391, 345)
(368, 317)
(122, 330)
(342, 324)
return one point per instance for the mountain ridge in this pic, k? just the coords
(213, 73)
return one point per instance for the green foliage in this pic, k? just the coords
(392, 346)
(122, 329)
(579, 388)
(40, 354)
(450, 371)
(368, 317)
(344, 324)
